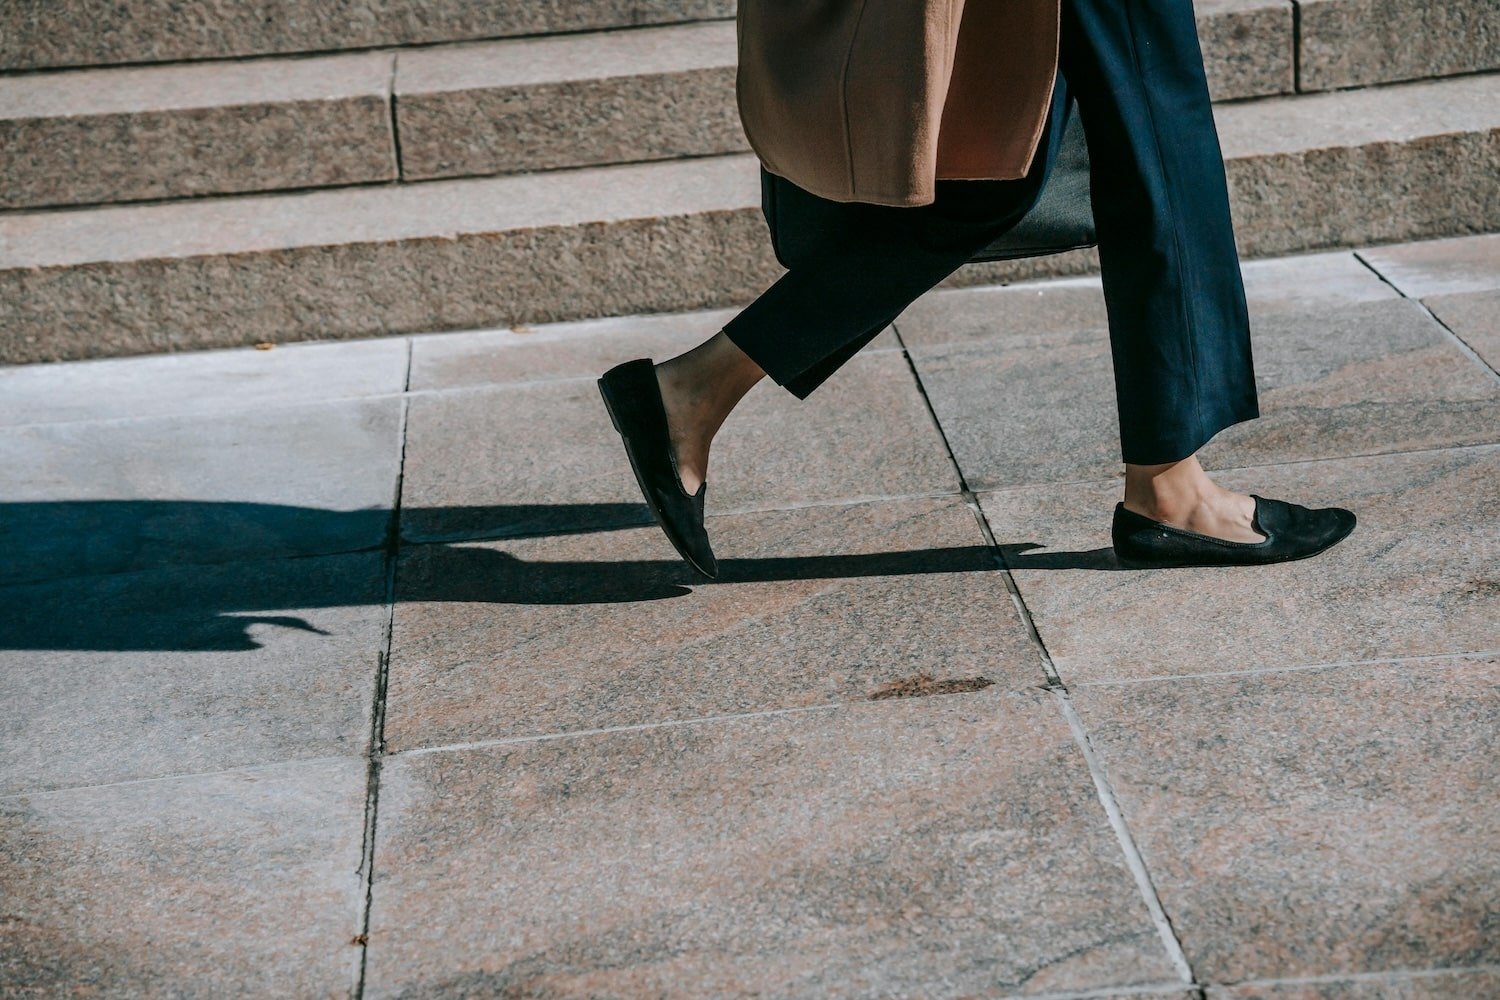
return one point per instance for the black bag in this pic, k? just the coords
(1061, 219)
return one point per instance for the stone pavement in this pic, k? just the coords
(359, 668)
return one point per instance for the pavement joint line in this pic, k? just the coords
(1458, 341)
(838, 502)
(182, 775)
(530, 383)
(1128, 847)
(972, 502)
(1365, 977)
(626, 728)
(217, 412)
(1415, 658)
(1152, 990)
(378, 706)
(1119, 479)
(482, 535)
(1133, 860)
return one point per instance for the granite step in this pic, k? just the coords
(97, 136)
(40, 34)
(1343, 42)
(1398, 162)
(139, 133)
(101, 136)
(529, 104)
(1353, 43)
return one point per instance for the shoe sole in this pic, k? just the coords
(640, 482)
(1137, 564)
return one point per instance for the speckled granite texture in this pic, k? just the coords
(357, 669)
(119, 134)
(1347, 43)
(866, 851)
(39, 33)
(1305, 172)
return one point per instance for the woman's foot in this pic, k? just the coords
(1173, 515)
(1181, 494)
(699, 389)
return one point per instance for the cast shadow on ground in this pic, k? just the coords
(196, 575)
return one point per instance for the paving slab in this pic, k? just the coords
(524, 459)
(1351, 43)
(1358, 379)
(1273, 286)
(811, 606)
(1440, 267)
(1001, 312)
(556, 350)
(567, 350)
(1436, 985)
(1363, 380)
(200, 382)
(210, 885)
(1026, 408)
(109, 135)
(1299, 282)
(111, 496)
(1474, 318)
(942, 846)
(188, 669)
(1416, 577)
(1291, 821)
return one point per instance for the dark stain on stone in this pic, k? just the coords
(922, 685)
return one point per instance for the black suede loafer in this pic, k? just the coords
(1292, 532)
(632, 396)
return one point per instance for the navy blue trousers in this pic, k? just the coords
(1179, 332)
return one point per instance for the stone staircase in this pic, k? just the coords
(183, 176)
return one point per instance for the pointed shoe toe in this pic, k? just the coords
(1291, 532)
(632, 396)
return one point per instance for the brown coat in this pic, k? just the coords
(873, 100)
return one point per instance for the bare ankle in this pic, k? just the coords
(1169, 491)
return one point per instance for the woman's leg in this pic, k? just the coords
(830, 305)
(1179, 330)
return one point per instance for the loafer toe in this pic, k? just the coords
(1291, 531)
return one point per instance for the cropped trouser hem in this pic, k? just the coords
(1162, 446)
(1178, 323)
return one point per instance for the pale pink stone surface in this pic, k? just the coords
(242, 882)
(584, 771)
(1310, 822)
(580, 631)
(1416, 577)
(947, 846)
(518, 459)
